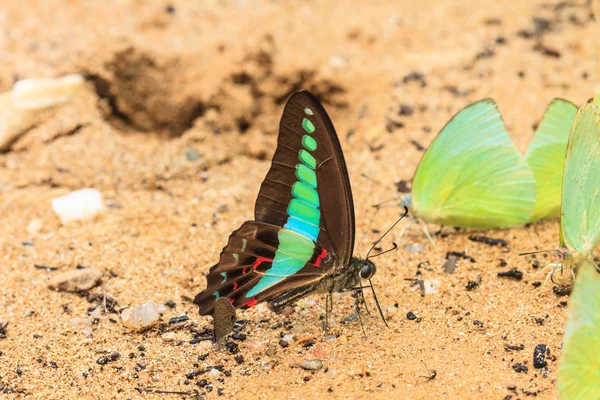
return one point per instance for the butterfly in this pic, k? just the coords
(546, 157)
(579, 366)
(472, 175)
(302, 237)
(579, 223)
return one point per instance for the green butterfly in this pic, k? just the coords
(578, 375)
(473, 176)
(579, 368)
(546, 157)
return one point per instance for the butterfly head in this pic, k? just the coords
(367, 270)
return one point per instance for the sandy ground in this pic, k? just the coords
(212, 76)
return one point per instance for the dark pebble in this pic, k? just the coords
(488, 240)
(220, 391)
(232, 347)
(170, 304)
(513, 274)
(283, 343)
(478, 323)
(308, 344)
(502, 263)
(411, 316)
(202, 357)
(520, 368)
(238, 336)
(539, 356)
(141, 348)
(471, 285)
(239, 359)
(202, 382)
(176, 320)
(513, 347)
(561, 290)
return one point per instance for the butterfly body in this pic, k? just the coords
(302, 235)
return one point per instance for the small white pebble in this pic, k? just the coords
(214, 373)
(77, 205)
(34, 226)
(140, 317)
(38, 93)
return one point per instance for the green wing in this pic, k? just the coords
(472, 175)
(546, 156)
(580, 222)
(578, 375)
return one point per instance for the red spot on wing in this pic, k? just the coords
(235, 285)
(251, 303)
(260, 260)
(231, 300)
(244, 271)
(320, 258)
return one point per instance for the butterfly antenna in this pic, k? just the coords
(394, 247)
(377, 303)
(538, 252)
(386, 232)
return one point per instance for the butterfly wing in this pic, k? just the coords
(579, 366)
(260, 263)
(472, 175)
(580, 225)
(546, 157)
(307, 138)
(304, 217)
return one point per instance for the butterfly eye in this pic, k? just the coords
(367, 270)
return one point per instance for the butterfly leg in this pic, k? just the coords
(328, 309)
(359, 317)
(426, 230)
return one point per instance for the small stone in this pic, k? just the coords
(191, 154)
(169, 337)
(34, 226)
(539, 356)
(78, 205)
(170, 304)
(520, 368)
(77, 280)
(140, 317)
(287, 311)
(414, 248)
(332, 373)
(389, 311)
(214, 373)
(38, 93)
(411, 316)
(312, 365)
(283, 343)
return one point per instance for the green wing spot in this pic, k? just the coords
(308, 126)
(305, 193)
(309, 143)
(306, 175)
(293, 253)
(304, 211)
(308, 111)
(224, 275)
(307, 159)
(237, 258)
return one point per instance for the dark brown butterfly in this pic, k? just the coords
(302, 236)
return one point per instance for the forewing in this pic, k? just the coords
(260, 263)
(580, 222)
(309, 156)
(579, 366)
(546, 156)
(472, 175)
